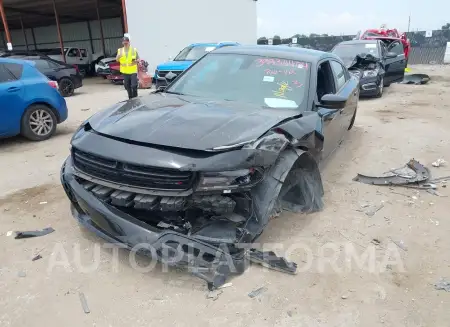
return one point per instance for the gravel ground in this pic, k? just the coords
(397, 290)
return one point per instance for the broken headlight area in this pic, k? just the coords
(230, 180)
(370, 73)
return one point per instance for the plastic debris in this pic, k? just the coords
(412, 173)
(43, 202)
(37, 257)
(416, 79)
(257, 292)
(443, 285)
(214, 295)
(270, 260)
(372, 210)
(22, 274)
(226, 285)
(438, 163)
(36, 233)
(84, 303)
(9, 233)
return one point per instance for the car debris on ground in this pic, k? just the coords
(37, 257)
(416, 79)
(35, 233)
(412, 175)
(214, 295)
(438, 163)
(84, 303)
(257, 292)
(442, 284)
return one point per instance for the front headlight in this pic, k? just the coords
(228, 180)
(370, 73)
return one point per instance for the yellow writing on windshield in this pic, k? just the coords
(281, 92)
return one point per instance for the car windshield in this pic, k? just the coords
(348, 52)
(193, 52)
(263, 81)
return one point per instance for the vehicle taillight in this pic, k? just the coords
(53, 84)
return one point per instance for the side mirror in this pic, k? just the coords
(333, 101)
(390, 55)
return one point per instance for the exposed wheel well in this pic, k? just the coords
(293, 183)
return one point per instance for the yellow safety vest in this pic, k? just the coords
(126, 66)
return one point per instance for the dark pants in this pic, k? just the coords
(131, 85)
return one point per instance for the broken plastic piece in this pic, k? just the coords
(257, 292)
(442, 285)
(270, 260)
(37, 257)
(84, 303)
(36, 233)
(421, 175)
(416, 79)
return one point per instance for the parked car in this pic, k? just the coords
(81, 57)
(67, 76)
(30, 103)
(102, 67)
(375, 64)
(184, 60)
(209, 160)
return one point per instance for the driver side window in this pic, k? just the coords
(397, 48)
(325, 80)
(339, 74)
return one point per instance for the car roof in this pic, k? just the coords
(212, 44)
(291, 53)
(359, 42)
(8, 60)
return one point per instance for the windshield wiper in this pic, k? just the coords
(171, 92)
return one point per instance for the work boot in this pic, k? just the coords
(135, 92)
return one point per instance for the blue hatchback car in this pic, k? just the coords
(185, 59)
(30, 103)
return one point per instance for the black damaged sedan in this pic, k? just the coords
(194, 172)
(375, 63)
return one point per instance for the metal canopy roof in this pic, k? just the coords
(40, 13)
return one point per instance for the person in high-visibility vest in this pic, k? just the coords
(128, 57)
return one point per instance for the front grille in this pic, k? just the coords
(132, 175)
(163, 73)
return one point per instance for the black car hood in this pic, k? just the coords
(186, 122)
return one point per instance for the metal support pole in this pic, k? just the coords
(58, 26)
(124, 14)
(90, 36)
(101, 29)
(24, 33)
(34, 38)
(5, 25)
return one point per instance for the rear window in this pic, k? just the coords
(14, 69)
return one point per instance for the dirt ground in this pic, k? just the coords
(408, 122)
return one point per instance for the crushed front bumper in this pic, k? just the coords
(208, 261)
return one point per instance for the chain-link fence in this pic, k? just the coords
(426, 47)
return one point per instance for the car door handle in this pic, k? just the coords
(13, 89)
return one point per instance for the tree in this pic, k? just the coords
(313, 35)
(276, 40)
(262, 40)
(446, 26)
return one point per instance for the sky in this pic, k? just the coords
(333, 17)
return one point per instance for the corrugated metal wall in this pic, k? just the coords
(74, 34)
